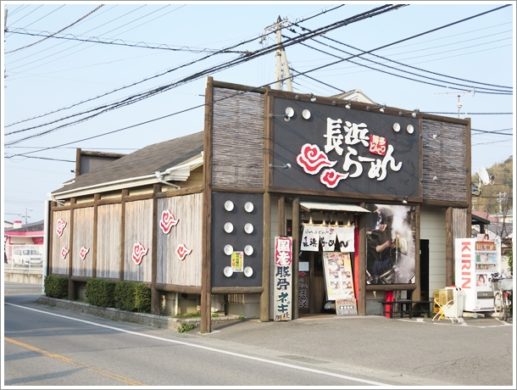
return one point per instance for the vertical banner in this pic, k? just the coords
(283, 278)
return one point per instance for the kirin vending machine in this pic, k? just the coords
(476, 262)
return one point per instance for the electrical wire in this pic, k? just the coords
(118, 42)
(157, 75)
(403, 64)
(144, 95)
(57, 32)
(466, 88)
(356, 18)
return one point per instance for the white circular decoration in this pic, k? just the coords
(228, 227)
(228, 271)
(289, 112)
(228, 205)
(228, 249)
(306, 114)
(410, 129)
(396, 127)
(248, 272)
(248, 228)
(248, 206)
(248, 249)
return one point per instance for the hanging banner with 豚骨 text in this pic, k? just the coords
(283, 278)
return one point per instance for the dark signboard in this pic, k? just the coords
(322, 147)
(236, 240)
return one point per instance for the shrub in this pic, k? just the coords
(185, 327)
(142, 298)
(100, 292)
(133, 296)
(56, 286)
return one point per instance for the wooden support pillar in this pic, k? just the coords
(155, 297)
(295, 226)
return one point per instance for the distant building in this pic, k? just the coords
(19, 236)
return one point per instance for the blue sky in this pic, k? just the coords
(43, 74)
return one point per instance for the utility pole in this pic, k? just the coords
(459, 104)
(282, 72)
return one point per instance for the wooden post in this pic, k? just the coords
(295, 226)
(206, 266)
(155, 297)
(96, 199)
(71, 286)
(123, 233)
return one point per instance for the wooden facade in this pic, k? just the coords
(121, 230)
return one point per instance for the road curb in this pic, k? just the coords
(180, 325)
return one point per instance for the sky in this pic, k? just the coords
(66, 61)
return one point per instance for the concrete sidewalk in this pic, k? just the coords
(477, 352)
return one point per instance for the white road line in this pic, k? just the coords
(216, 350)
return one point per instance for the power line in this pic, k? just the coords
(57, 32)
(402, 64)
(373, 12)
(119, 42)
(144, 95)
(470, 88)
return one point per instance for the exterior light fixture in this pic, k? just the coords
(347, 106)
(306, 114)
(248, 272)
(313, 98)
(381, 109)
(404, 201)
(289, 113)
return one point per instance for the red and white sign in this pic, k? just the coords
(182, 251)
(283, 278)
(283, 251)
(60, 227)
(139, 251)
(168, 221)
(83, 252)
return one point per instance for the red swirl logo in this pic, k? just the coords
(312, 159)
(139, 251)
(64, 252)
(60, 227)
(331, 178)
(168, 221)
(182, 251)
(83, 252)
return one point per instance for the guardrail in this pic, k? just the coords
(18, 273)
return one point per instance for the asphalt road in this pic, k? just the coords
(48, 346)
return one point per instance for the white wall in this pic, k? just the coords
(432, 228)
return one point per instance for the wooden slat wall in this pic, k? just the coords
(238, 139)
(138, 228)
(59, 265)
(444, 151)
(83, 237)
(108, 240)
(188, 231)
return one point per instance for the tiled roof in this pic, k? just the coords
(145, 161)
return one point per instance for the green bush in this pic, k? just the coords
(133, 296)
(100, 292)
(142, 298)
(56, 286)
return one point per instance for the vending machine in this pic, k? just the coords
(476, 262)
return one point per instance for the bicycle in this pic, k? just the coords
(502, 288)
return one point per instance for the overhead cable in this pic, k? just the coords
(226, 49)
(144, 95)
(57, 32)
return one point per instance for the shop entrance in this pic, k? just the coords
(325, 259)
(311, 283)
